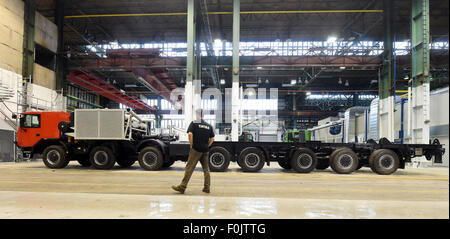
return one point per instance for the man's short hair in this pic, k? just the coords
(199, 112)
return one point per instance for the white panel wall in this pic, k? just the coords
(439, 120)
(9, 84)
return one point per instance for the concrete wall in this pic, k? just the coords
(11, 35)
(44, 77)
(46, 33)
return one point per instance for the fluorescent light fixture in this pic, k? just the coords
(342, 67)
(259, 67)
(406, 77)
(331, 39)
(251, 85)
(222, 81)
(130, 85)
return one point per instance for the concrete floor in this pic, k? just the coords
(30, 190)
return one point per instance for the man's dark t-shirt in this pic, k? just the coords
(201, 132)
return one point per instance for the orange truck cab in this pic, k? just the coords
(37, 127)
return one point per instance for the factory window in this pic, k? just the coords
(276, 48)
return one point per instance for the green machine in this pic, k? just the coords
(296, 135)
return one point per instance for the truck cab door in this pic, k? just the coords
(29, 132)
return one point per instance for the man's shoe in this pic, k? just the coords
(206, 190)
(178, 189)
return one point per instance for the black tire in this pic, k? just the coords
(344, 161)
(219, 159)
(322, 164)
(284, 165)
(359, 166)
(151, 158)
(169, 163)
(251, 159)
(126, 162)
(384, 161)
(102, 157)
(303, 160)
(54, 156)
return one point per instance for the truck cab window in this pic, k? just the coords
(32, 121)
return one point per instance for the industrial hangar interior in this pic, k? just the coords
(319, 109)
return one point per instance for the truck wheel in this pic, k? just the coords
(384, 161)
(219, 159)
(304, 160)
(284, 165)
(126, 162)
(168, 163)
(54, 156)
(344, 161)
(251, 159)
(322, 164)
(102, 157)
(150, 158)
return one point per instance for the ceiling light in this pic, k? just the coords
(251, 85)
(331, 39)
(406, 77)
(346, 83)
(259, 67)
(308, 93)
(340, 81)
(342, 67)
(293, 82)
(267, 81)
(222, 81)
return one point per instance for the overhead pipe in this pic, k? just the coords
(222, 13)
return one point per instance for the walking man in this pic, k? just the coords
(201, 136)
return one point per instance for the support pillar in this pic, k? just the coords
(235, 104)
(59, 21)
(190, 64)
(28, 38)
(419, 85)
(386, 81)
